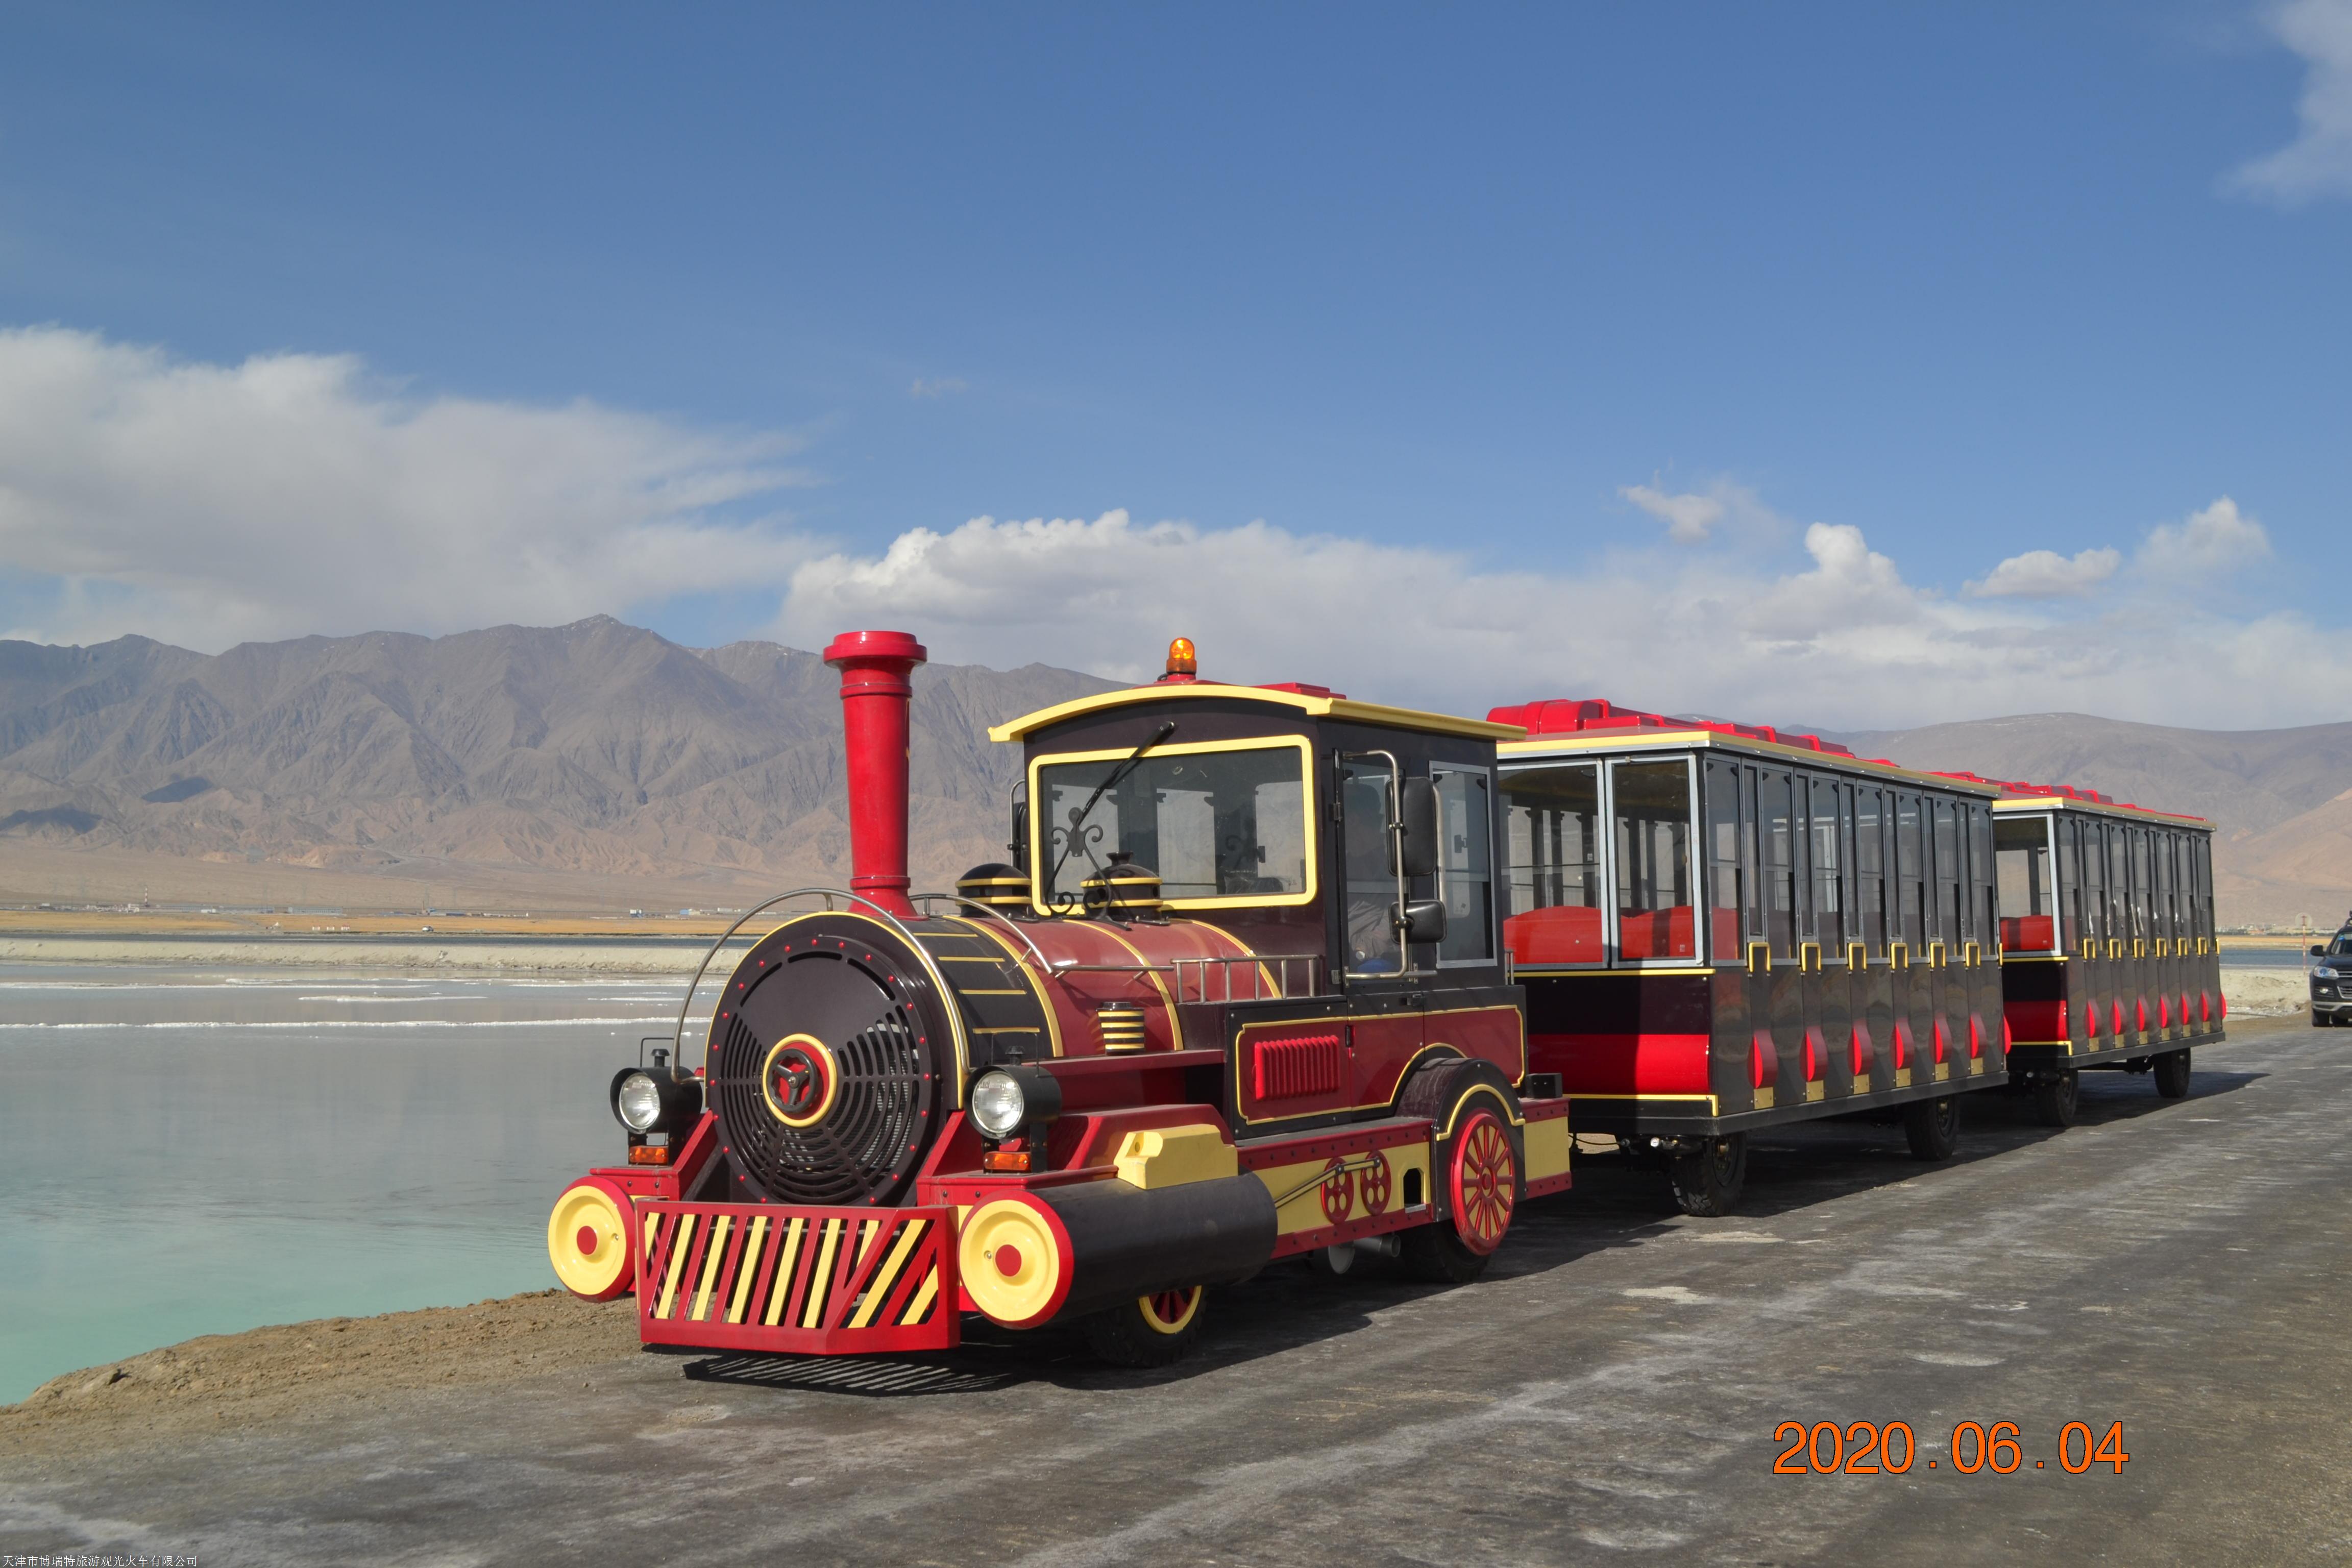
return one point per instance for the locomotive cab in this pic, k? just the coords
(1239, 995)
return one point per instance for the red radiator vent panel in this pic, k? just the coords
(1301, 1064)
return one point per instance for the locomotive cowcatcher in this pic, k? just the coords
(1240, 994)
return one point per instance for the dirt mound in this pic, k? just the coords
(274, 1372)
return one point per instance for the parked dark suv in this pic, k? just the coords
(2331, 979)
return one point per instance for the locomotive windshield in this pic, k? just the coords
(1224, 824)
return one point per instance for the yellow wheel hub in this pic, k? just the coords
(1011, 1264)
(588, 1242)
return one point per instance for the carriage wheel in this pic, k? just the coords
(1932, 1127)
(1338, 1191)
(2056, 1098)
(2172, 1074)
(1372, 1184)
(1149, 1331)
(1707, 1181)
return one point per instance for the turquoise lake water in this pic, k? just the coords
(187, 1153)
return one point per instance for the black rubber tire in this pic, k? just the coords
(2172, 1074)
(2058, 1097)
(1434, 1254)
(1708, 1183)
(2320, 1020)
(1933, 1127)
(1124, 1335)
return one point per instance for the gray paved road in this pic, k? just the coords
(1609, 1393)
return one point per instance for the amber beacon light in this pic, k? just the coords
(1183, 663)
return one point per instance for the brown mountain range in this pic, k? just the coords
(568, 766)
(598, 764)
(2280, 800)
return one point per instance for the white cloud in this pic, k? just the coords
(938, 386)
(1838, 636)
(208, 503)
(1687, 517)
(2318, 162)
(2046, 575)
(2212, 542)
(1692, 516)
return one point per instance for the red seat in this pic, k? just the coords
(2028, 934)
(1564, 933)
(1656, 934)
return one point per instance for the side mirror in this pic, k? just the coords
(1417, 810)
(1424, 920)
(2319, 949)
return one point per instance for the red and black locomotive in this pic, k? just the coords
(1228, 1002)
(1273, 973)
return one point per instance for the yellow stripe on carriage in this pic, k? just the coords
(812, 1310)
(878, 1290)
(747, 1269)
(791, 1255)
(678, 1247)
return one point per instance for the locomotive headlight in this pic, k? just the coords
(1005, 1101)
(637, 1101)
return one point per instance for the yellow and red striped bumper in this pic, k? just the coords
(805, 1281)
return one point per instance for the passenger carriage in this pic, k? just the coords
(1227, 1004)
(1722, 928)
(2109, 956)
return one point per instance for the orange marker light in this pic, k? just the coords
(1181, 658)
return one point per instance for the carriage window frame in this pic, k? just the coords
(1695, 848)
(1496, 868)
(1507, 866)
(1692, 844)
(1311, 843)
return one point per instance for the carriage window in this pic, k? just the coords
(2022, 867)
(1722, 870)
(2168, 925)
(1870, 867)
(1912, 896)
(2117, 882)
(1466, 874)
(1553, 816)
(1950, 920)
(2070, 885)
(1655, 911)
(1776, 825)
(1828, 834)
(1229, 825)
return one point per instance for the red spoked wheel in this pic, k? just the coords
(1149, 1331)
(1372, 1184)
(1170, 1311)
(1338, 1192)
(1484, 1182)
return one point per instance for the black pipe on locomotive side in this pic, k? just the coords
(1127, 1241)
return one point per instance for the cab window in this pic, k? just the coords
(1222, 826)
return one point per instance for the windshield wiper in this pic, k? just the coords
(1110, 782)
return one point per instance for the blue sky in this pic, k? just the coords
(1345, 297)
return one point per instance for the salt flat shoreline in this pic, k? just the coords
(476, 955)
(2251, 992)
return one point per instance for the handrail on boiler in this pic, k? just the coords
(938, 980)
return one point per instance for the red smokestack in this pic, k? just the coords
(874, 695)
